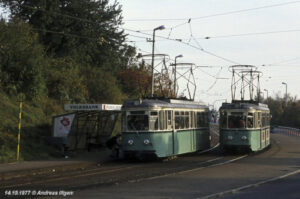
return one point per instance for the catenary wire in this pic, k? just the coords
(218, 14)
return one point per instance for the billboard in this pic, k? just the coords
(92, 107)
(62, 125)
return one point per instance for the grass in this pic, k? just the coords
(35, 131)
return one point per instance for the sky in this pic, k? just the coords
(263, 33)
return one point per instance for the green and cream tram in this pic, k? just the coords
(244, 125)
(162, 128)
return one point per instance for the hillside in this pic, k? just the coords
(36, 129)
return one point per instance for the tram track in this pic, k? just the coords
(123, 174)
(37, 179)
(179, 170)
(220, 176)
(113, 173)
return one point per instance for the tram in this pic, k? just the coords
(163, 127)
(244, 125)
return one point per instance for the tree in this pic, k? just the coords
(102, 87)
(284, 115)
(64, 80)
(164, 86)
(21, 59)
(85, 30)
(136, 81)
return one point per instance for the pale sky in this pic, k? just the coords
(279, 51)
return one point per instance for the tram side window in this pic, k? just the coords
(202, 119)
(192, 119)
(263, 123)
(195, 119)
(186, 120)
(258, 120)
(250, 120)
(223, 119)
(236, 120)
(206, 122)
(153, 120)
(137, 122)
(268, 119)
(169, 118)
(162, 120)
(198, 119)
(179, 120)
(123, 121)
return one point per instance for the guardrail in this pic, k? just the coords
(286, 130)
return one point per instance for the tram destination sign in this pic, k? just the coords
(92, 107)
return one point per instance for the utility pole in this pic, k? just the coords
(152, 63)
(267, 93)
(286, 97)
(19, 125)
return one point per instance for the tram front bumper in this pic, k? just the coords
(140, 154)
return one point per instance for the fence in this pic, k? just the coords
(287, 130)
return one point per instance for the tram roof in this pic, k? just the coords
(165, 103)
(245, 105)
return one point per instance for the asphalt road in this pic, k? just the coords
(284, 188)
(274, 173)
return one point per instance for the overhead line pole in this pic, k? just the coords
(175, 71)
(152, 63)
(286, 97)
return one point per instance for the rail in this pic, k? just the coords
(286, 130)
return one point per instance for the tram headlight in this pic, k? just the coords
(244, 137)
(146, 141)
(230, 137)
(130, 142)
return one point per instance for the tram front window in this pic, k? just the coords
(236, 120)
(137, 122)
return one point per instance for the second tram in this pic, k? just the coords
(162, 128)
(244, 125)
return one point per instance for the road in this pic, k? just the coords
(273, 173)
(254, 176)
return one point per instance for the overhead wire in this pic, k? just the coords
(177, 40)
(186, 43)
(283, 61)
(189, 19)
(86, 20)
(216, 79)
(250, 34)
(218, 14)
